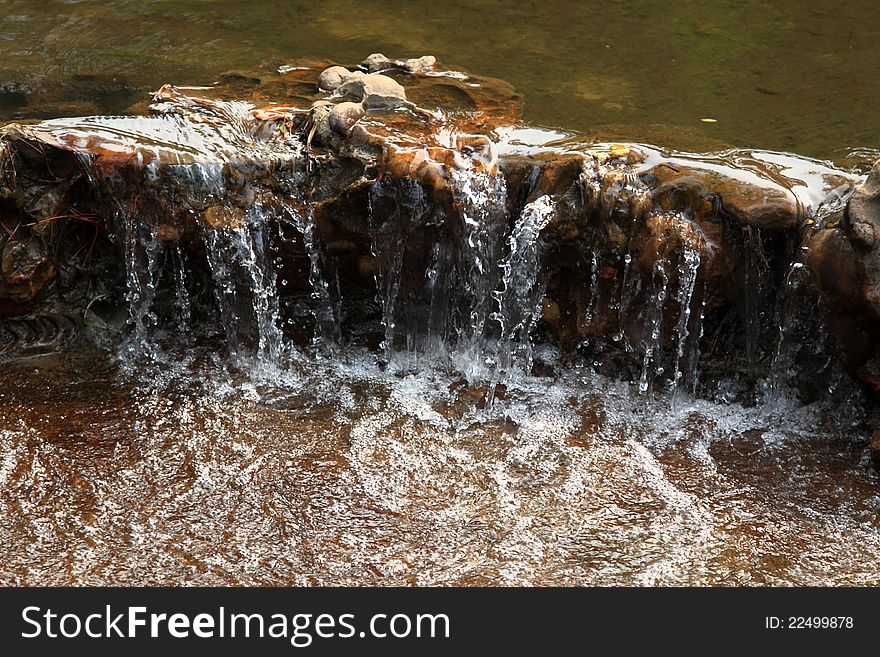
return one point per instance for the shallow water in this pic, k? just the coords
(351, 476)
(173, 464)
(776, 75)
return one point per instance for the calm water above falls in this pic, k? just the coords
(786, 75)
(169, 464)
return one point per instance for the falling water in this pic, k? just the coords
(390, 233)
(522, 287)
(181, 293)
(480, 199)
(801, 344)
(651, 345)
(325, 306)
(245, 286)
(756, 287)
(143, 249)
(686, 354)
(438, 306)
(593, 304)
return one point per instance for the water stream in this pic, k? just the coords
(427, 431)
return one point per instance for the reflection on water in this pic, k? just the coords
(777, 75)
(350, 476)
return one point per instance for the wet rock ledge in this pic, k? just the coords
(399, 203)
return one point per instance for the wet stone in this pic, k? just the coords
(376, 92)
(863, 210)
(875, 449)
(344, 115)
(420, 65)
(21, 259)
(376, 62)
(331, 78)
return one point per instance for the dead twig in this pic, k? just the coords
(79, 217)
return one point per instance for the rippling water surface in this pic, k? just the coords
(348, 475)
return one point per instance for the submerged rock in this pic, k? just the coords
(376, 62)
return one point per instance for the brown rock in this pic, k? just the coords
(367, 266)
(420, 65)
(835, 266)
(863, 210)
(24, 270)
(377, 62)
(221, 216)
(549, 311)
(168, 233)
(344, 115)
(20, 259)
(378, 92)
(331, 78)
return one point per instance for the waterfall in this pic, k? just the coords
(593, 304)
(651, 367)
(438, 270)
(687, 349)
(480, 199)
(181, 292)
(757, 288)
(325, 308)
(245, 286)
(142, 251)
(395, 211)
(522, 287)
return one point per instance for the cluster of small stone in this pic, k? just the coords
(367, 88)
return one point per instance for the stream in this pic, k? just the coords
(442, 440)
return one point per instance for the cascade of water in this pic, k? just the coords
(756, 289)
(630, 287)
(650, 367)
(799, 313)
(325, 306)
(686, 355)
(522, 287)
(438, 305)
(802, 362)
(143, 249)
(256, 262)
(790, 327)
(593, 304)
(480, 199)
(390, 228)
(438, 300)
(244, 284)
(181, 292)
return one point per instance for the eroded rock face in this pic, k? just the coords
(401, 185)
